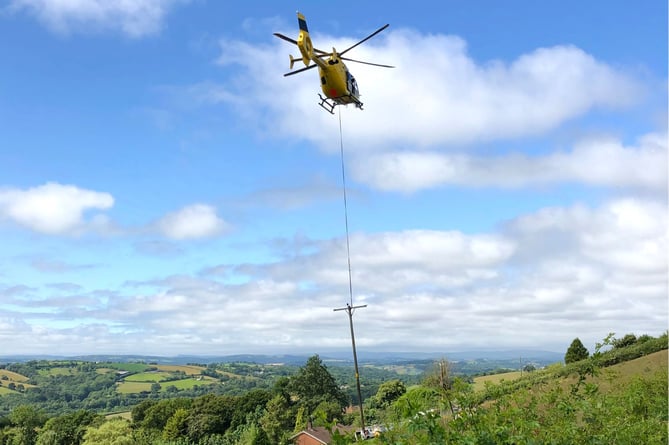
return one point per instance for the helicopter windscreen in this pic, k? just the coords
(351, 84)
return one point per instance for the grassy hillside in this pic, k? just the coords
(620, 372)
(618, 396)
(9, 376)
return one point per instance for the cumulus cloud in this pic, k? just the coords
(134, 18)
(191, 222)
(438, 94)
(558, 273)
(53, 208)
(601, 162)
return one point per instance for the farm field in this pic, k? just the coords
(12, 376)
(133, 387)
(151, 376)
(479, 382)
(186, 369)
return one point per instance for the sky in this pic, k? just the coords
(165, 190)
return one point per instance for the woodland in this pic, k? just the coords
(617, 394)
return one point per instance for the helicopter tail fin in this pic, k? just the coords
(304, 41)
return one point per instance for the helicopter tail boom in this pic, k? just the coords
(304, 41)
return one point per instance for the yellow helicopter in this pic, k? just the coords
(337, 83)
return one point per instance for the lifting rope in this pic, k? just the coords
(343, 179)
(349, 307)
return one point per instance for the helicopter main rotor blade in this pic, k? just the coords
(300, 70)
(287, 39)
(365, 39)
(367, 63)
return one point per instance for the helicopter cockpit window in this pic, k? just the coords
(351, 84)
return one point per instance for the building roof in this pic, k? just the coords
(322, 434)
(319, 433)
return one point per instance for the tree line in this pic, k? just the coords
(562, 404)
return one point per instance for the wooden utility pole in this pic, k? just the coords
(349, 310)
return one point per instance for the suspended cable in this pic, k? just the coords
(343, 179)
(349, 307)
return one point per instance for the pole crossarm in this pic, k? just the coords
(349, 308)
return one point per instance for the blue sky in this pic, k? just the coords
(165, 190)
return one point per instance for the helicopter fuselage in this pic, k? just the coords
(337, 82)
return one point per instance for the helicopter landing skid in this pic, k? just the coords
(329, 104)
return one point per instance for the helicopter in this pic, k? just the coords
(337, 82)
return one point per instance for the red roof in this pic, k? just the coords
(321, 434)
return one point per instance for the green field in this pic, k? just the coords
(59, 371)
(149, 377)
(479, 382)
(133, 387)
(130, 367)
(186, 369)
(188, 383)
(165, 375)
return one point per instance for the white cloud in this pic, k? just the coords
(558, 273)
(52, 208)
(438, 94)
(191, 222)
(134, 18)
(601, 162)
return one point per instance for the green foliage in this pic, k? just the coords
(26, 419)
(576, 352)
(210, 415)
(177, 425)
(278, 418)
(388, 392)
(638, 349)
(67, 428)
(539, 409)
(579, 402)
(158, 414)
(627, 340)
(313, 384)
(112, 432)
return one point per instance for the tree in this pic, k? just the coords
(177, 425)
(388, 392)
(440, 378)
(627, 340)
(279, 417)
(27, 419)
(113, 432)
(210, 415)
(66, 429)
(576, 352)
(139, 411)
(314, 384)
(157, 416)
